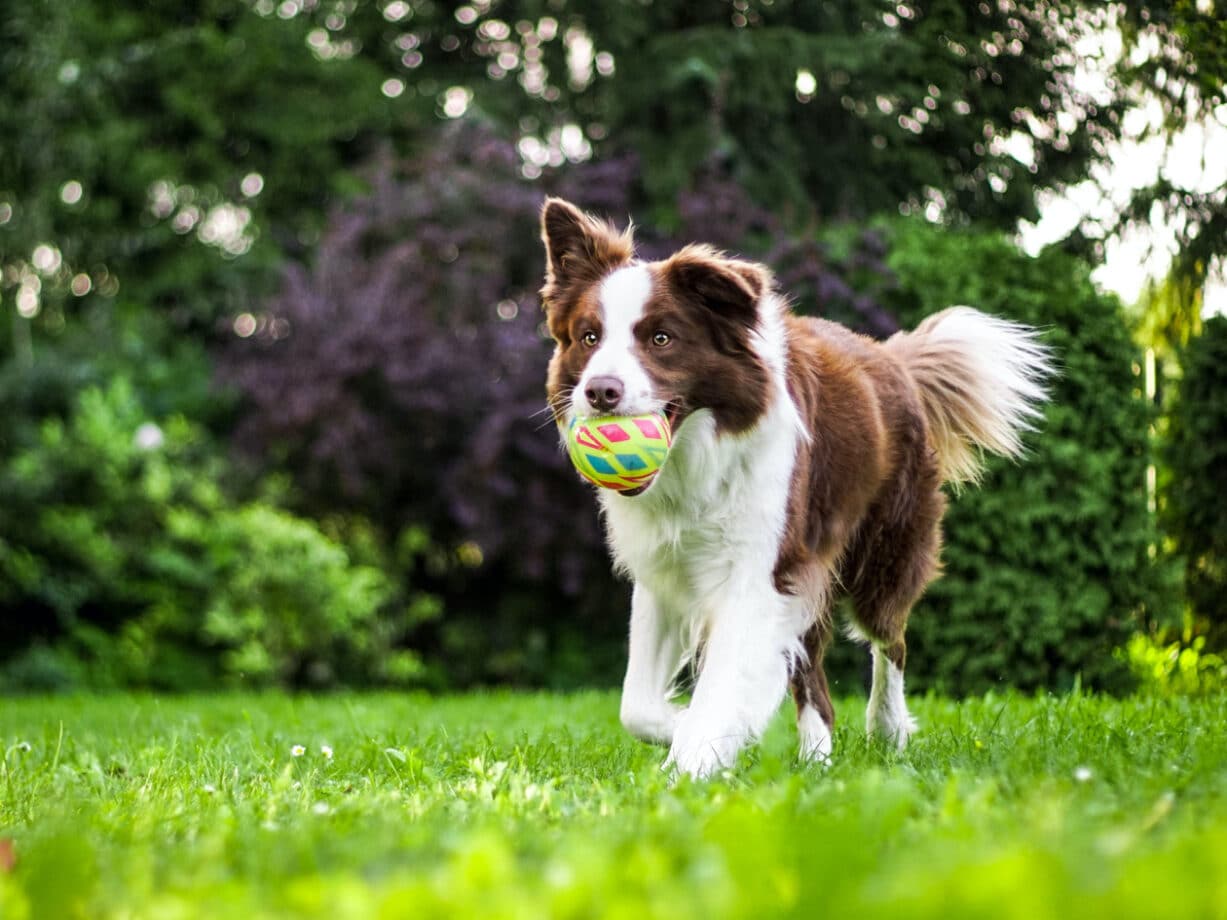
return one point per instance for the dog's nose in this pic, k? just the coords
(604, 392)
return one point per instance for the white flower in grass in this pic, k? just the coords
(1083, 774)
(320, 808)
(297, 750)
(209, 788)
(326, 750)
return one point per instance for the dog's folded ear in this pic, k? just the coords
(579, 248)
(729, 288)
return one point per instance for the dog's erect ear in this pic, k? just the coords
(729, 288)
(578, 247)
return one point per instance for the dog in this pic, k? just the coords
(807, 465)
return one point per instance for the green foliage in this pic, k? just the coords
(1049, 562)
(519, 806)
(1182, 667)
(129, 131)
(1194, 512)
(123, 552)
(1168, 313)
(158, 112)
(159, 162)
(901, 106)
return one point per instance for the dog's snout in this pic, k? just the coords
(604, 393)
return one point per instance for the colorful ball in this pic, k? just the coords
(622, 453)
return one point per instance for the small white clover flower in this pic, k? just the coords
(209, 788)
(320, 808)
(1083, 774)
(326, 750)
(297, 750)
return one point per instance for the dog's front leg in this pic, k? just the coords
(743, 677)
(654, 659)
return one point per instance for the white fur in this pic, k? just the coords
(701, 544)
(654, 660)
(623, 296)
(1010, 363)
(815, 736)
(887, 715)
(998, 369)
(771, 345)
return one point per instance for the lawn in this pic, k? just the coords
(539, 805)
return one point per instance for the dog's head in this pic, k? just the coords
(633, 337)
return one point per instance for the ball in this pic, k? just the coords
(623, 453)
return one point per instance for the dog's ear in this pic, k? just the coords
(579, 248)
(729, 289)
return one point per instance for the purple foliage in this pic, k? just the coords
(403, 372)
(718, 211)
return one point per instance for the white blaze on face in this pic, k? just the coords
(623, 297)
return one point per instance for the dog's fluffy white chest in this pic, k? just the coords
(716, 514)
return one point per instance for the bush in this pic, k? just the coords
(1049, 563)
(125, 561)
(1181, 667)
(1194, 512)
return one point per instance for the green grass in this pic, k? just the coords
(538, 805)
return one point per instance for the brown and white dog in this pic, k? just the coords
(807, 465)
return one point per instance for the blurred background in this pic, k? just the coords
(272, 360)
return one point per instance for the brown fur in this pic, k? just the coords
(886, 422)
(579, 250)
(708, 304)
(866, 496)
(809, 683)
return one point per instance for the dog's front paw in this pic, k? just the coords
(652, 722)
(700, 750)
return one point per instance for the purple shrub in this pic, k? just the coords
(719, 211)
(402, 372)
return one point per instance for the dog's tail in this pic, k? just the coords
(981, 379)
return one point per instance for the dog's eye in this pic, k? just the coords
(590, 339)
(661, 339)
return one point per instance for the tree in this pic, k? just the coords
(180, 149)
(832, 109)
(170, 151)
(1193, 509)
(1175, 54)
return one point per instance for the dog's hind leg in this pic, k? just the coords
(887, 715)
(881, 615)
(815, 714)
(900, 564)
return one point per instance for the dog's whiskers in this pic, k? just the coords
(551, 410)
